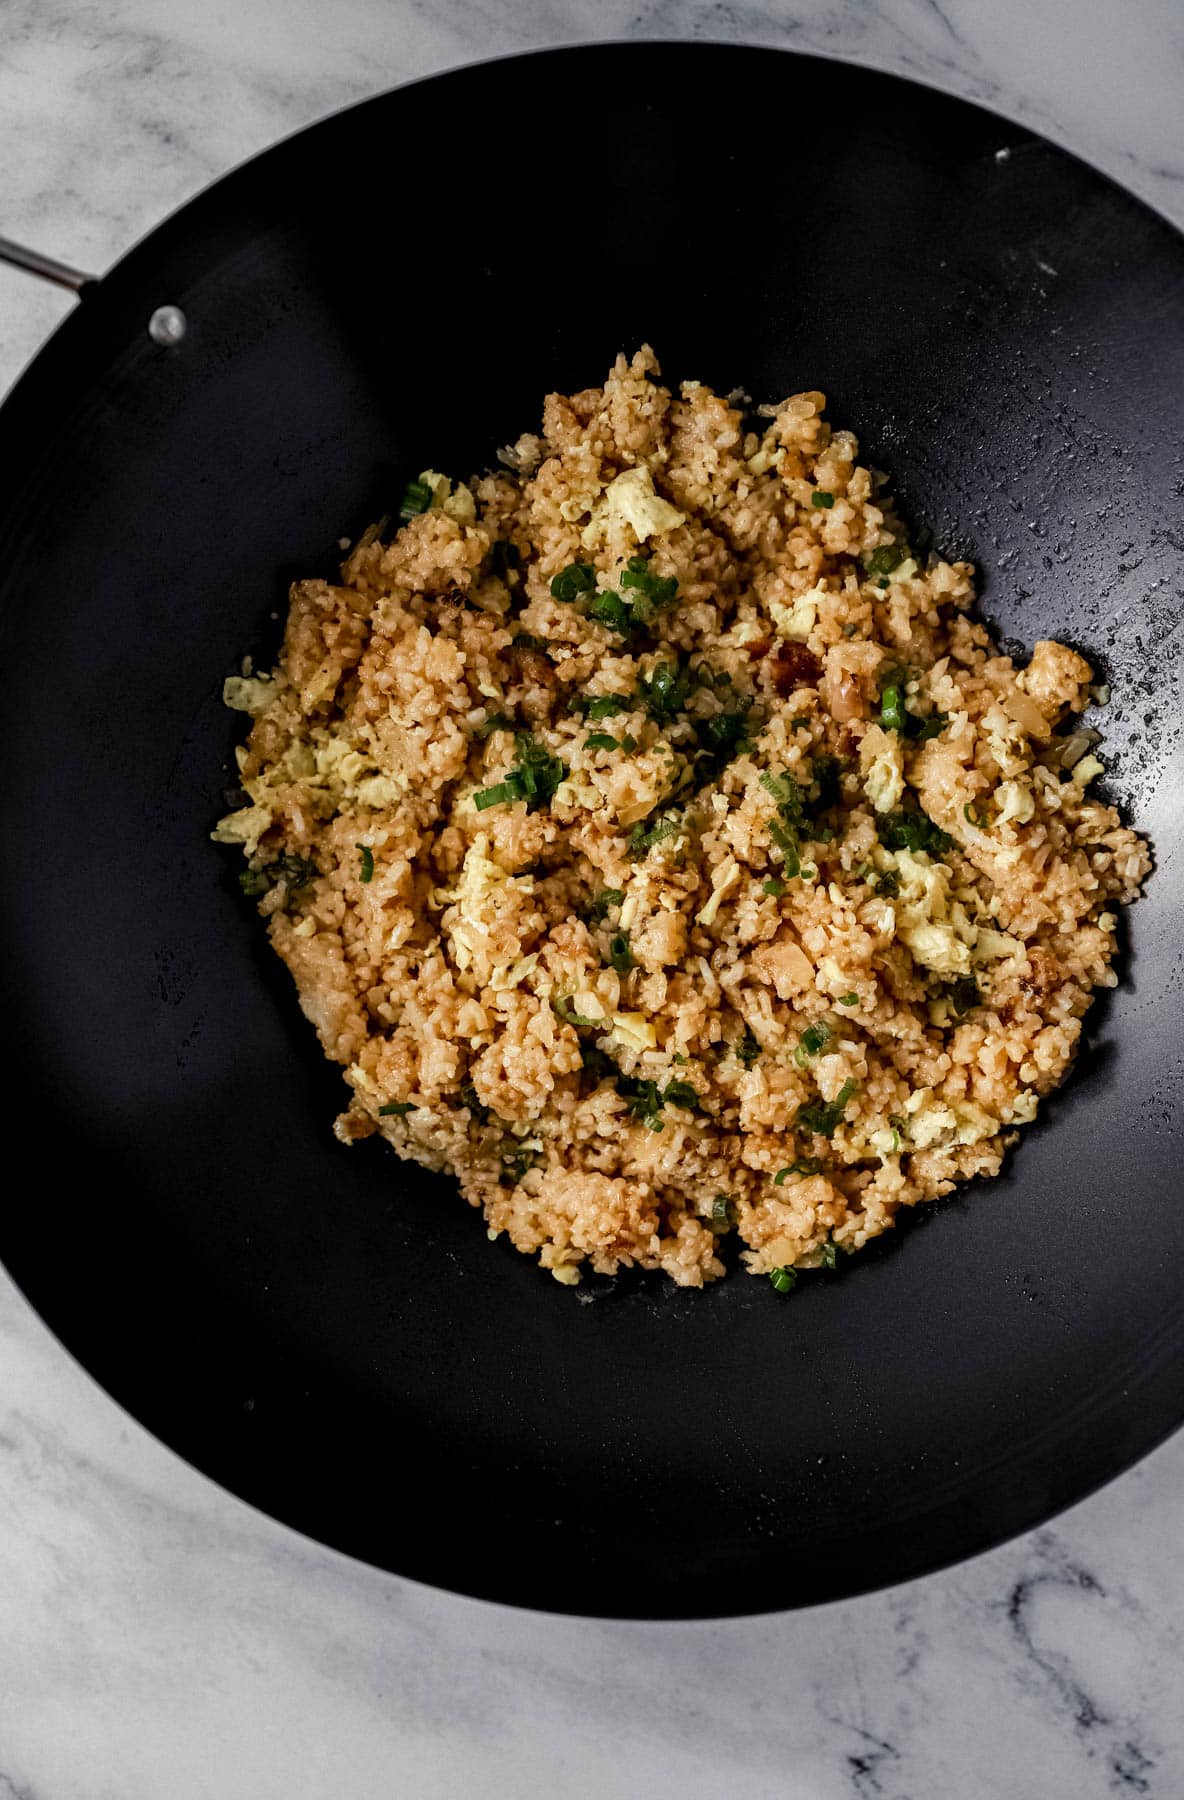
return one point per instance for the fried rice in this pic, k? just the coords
(664, 850)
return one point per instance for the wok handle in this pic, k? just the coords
(47, 267)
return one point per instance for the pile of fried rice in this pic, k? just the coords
(665, 852)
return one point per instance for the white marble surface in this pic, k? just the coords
(160, 1641)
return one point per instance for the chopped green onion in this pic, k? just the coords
(609, 609)
(723, 1212)
(805, 1165)
(643, 838)
(976, 815)
(783, 1279)
(526, 640)
(848, 999)
(723, 736)
(885, 559)
(396, 1108)
(921, 730)
(774, 886)
(596, 1064)
(821, 498)
(294, 871)
(892, 709)
(481, 1113)
(607, 897)
(563, 1009)
(499, 722)
(367, 869)
(913, 831)
(600, 740)
(654, 590)
(830, 1256)
(783, 838)
(576, 579)
(629, 743)
(822, 1118)
(646, 1099)
(619, 953)
(748, 1048)
(254, 882)
(600, 706)
(664, 691)
(417, 497)
(497, 795)
(812, 1043)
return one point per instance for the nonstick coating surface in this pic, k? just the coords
(327, 1331)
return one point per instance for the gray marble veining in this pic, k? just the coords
(161, 1641)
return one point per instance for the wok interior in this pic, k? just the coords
(328, 1331)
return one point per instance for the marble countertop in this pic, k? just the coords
(161, 1641)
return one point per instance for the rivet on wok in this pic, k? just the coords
(167, 325)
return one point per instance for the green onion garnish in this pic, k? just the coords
(600, 740)
(600, 904)
(496, 795)
(609, 609)
(396, 1108)
(563, 1009)
(723, 1212)
(417, 497)
(367, 868)
(848, 999)
(912, 831)
(783, 1279)
(921, 730)
(830, 1256)
(783, 838)
(805, 1165)
(882, 561)
(643, 838)
(619, 953)
(821, 498)
(811, 1043)
(822, 1118)
(576, 579)
(646, 1099)
(773, 886)
(976, 815)
(600, 706)
(892, 709)
(657, 590)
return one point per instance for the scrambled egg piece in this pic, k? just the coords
(935, 927)
(1015, 801)
(630, 499)
(934, 1124)
(797, 621)
(458, 503)
(881, 763)
(248, 693)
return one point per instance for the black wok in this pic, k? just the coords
(328, 1332)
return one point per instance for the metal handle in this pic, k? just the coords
(47, 267)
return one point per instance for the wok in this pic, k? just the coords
(328, 1332)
